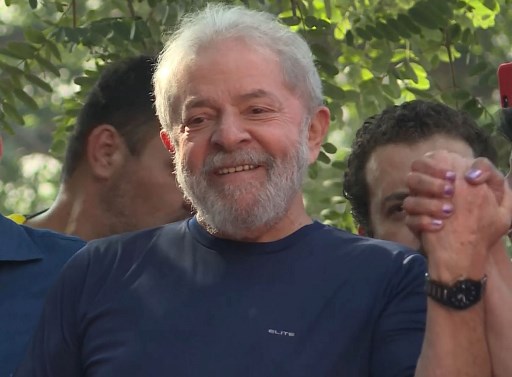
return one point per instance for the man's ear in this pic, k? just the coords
(166, 139)
(317, 131)
(106, 151)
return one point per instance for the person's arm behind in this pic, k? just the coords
(458, 247)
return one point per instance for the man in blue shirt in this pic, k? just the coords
(250, 286)
(30, 261)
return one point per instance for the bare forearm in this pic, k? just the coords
(498, 309)
(454, 343)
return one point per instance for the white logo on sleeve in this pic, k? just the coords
(280, 332)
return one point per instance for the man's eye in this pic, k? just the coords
(257, 110)
(195, 121)
(396, 210)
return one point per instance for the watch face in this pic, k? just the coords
(461, 295)
(464, 293)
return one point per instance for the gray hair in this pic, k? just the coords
(217, 22)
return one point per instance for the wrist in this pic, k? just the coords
(448, 267)
(459, 295)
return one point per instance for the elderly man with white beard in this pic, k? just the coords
(251, 286)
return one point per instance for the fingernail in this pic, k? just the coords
(436, 223)
(450, 176)
(448, 190)
(473, 174)
(447, 208)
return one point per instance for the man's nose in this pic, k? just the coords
(230, 132)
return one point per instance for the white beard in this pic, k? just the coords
(233, 210)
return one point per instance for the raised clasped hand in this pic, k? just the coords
(460, 207)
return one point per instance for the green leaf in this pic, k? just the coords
(11, 54)
(320, 52)
(421, 13)
(58, 147)
(349, 38)
(341, 165)
(478, 68)
(54, 50)
(363, 33)
(26, 99)
(84, 81)
(61, 7)
(407, 72)
(330, 214)
(420, 93)
(491, 4)
(454, 32)
(290, 21)
(38, 82)
(399, 28)
(327, 67)
(461, 94)
(311, 22)
(143, 29)
(387, 31)
(6, 127)
(392, 91)
(313, 170)
(374, 32)
(47, 65)
(408, 23)
(329, 148)
(121, 29)
(34, 36)
(22, 49)
(322, 157)
(333, 91)
(11, 70)
(473, 108)
(12, 113)
(33, 4)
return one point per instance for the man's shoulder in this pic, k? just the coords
(132, 246)
(48, 238)
(356, 250)
(345, 240)
(23, 243)
(132, 240)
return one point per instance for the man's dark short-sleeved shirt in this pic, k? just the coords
(30, 261)
(176, 301)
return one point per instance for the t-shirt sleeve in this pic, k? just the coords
(54, 349)
(401, 327)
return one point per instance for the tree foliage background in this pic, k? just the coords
(370, 54)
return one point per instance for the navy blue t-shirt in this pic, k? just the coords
(176, 301)
(30, 261)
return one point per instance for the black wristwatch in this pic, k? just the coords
(461, 295)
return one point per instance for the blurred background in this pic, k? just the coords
(370, 53)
